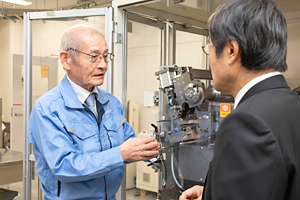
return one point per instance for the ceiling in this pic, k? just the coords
(287, 6)
(56, 4)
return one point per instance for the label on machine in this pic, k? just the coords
(225, 109)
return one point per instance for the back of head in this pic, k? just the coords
(259, 28)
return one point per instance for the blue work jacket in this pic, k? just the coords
(78, 156)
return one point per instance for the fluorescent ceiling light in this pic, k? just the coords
(20, 2)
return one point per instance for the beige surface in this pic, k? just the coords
(11, 166)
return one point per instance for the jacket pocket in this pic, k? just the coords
(113, 123)
(113, 127)
(81, 131)
(84, 136)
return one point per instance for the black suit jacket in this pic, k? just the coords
(257, 150)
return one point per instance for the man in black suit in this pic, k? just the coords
(257, 150)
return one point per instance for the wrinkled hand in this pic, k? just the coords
(194, 193)
(136, 149)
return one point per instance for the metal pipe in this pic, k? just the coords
(172, 44)
(40, 193)
(163, 44)
(162, 100)
(27, 105)
(109, 39)
(124, 93)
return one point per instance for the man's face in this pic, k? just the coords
(86, 73)
(219, 70)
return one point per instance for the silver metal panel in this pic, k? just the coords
(27, 104)
(124, 61)
(192, 30)
(168, 15)
(109, 40)
(67, 13)
(172, 43)
(163, 45)
(10, 158)
(138, 18)
(124, 97)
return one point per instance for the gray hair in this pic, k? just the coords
(70, 39)
(259, 28)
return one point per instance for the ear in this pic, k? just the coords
(233, 52)
(65, 60)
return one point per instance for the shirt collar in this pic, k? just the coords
(82, 93)
(250, 84)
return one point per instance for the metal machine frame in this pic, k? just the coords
(189, 117)
(28, 157)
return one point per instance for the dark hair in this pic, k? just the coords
(259, 28)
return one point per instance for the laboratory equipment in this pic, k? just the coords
(189, 116)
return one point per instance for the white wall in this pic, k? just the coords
(292, 75)
(143, 61)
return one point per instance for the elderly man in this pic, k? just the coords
(257, 146)
(79, 134)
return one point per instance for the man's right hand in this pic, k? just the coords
(194, 193)
(136, 149)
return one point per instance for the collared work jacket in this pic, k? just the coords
(78, 156)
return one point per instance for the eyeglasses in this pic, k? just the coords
(206, 48)
(96, 58)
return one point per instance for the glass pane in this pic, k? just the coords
(189, 50)
(143, 62)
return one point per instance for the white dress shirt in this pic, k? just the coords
(250, 84)
(82, 93)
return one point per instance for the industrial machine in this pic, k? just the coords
(189, 116)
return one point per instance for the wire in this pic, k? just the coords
(172, 169)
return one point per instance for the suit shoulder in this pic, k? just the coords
(269, 99)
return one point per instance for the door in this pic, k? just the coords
(45, 74)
